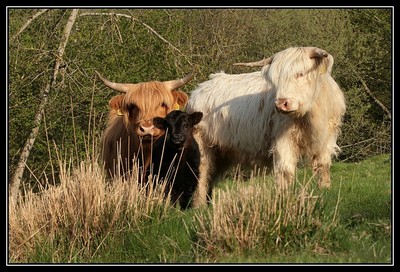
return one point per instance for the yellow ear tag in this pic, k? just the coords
(322, 69)
(176, 106)
(119, 112)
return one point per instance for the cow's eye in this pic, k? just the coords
(131, 107)
(164, 105)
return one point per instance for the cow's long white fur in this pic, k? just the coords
(242, 123)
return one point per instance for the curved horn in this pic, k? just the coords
(316, 52)
(255, 63)
(177, 83)
(120, 87)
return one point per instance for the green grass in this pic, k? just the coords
(362, 234)
(365, 222)
(158, 241)
(366, 187)
(354, 219)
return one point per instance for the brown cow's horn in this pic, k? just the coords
(177, 83)
(120, 87)
(318, 53)
(255, 63)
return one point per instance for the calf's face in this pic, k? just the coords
(178, 126)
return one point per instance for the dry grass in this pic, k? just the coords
(73, 219)
(256, 214)
(83, 210)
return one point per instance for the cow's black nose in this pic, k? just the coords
(178, 138)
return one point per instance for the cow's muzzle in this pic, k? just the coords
(286, 105)
(145, 130)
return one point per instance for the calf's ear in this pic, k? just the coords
(196, 117)
(160, 123)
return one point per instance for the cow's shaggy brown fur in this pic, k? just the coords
(130, 132)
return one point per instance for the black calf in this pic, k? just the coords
(177, 154)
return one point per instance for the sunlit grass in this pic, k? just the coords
(78, 214)
(86, 219)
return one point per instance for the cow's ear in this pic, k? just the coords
(160, 123)
(116, 101)
(180, 98)
(325, 66)
(196, 117)
(329, 63)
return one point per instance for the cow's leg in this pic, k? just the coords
(286, 154)
(206, 169)
(321, 165)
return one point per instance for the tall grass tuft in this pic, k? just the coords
(71, 220)
(258, 215)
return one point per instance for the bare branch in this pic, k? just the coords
(107, 14)
(372, 95)
(134, 19)
(16, 181)
(28, 22)
(360, 142)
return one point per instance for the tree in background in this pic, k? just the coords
(134, 45)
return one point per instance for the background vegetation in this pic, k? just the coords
(163, 44)
(135, 45)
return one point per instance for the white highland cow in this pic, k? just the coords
(291, 109)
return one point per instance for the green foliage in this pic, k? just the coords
(373, 49)
(163, 44)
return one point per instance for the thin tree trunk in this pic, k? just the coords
(16, 181)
